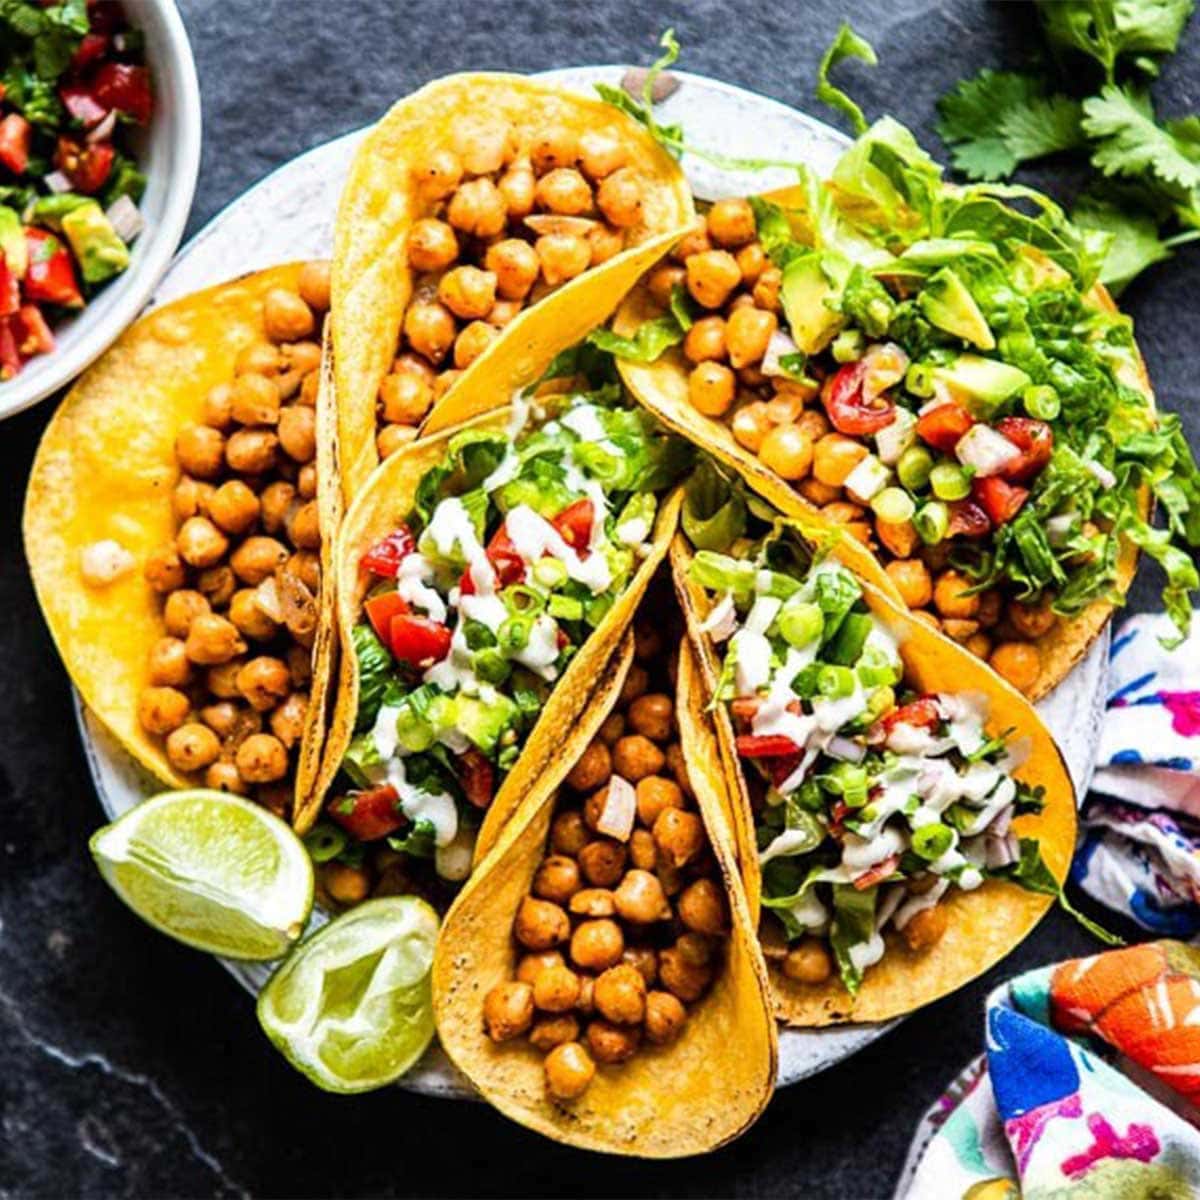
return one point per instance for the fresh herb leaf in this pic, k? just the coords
(969, 117)
(1045, 125)
(1135, 244)
(1105, 30)
(1131, 142)
(652, 339)
(847, 44)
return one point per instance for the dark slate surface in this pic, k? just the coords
(130, 1066)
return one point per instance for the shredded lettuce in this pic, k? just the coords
(847, 44)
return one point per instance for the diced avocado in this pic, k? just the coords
(984, 384)
(806, 288)
(50, 210)
(99, 249)
(948, 304)
(483, 721)
(12, 243)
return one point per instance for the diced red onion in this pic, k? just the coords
(620, 807)
(125, 218)
(986, 450)
(57, 182)
(779, 345)
(886, 364)
(1102, 475)
(999, 827)
(1058, 528)
(846, 749)
(103, 129)
(721, 620)
(1001, 851)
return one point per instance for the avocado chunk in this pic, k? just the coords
(984, 384)
(99, 249)
(948, 304)
(484, 721)
(12, 243)
(811, 283)
(50, 210)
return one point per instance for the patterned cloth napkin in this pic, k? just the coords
(1086, 1089)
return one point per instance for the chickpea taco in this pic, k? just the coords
(470, 203)
(173, 525)
(485, 575)
(937, 372)
(599, 979)
(904, 816)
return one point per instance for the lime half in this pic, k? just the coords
(212, 870)
(352, 1007)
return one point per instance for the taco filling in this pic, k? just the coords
(871, 803)
(935, 371)
(518, 543)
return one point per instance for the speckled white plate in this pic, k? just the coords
(289, 215)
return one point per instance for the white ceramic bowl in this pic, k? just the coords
(169, 154)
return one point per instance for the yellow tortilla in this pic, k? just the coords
(662, 387)
(388, 499)
(984, 924)
(105, 469)
(666, 1102)
(372, 284)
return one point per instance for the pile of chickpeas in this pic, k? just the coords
(508, 219)
(228, 682)
(723, 268)
(616, 938)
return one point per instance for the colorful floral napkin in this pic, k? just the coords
(1086, 1089)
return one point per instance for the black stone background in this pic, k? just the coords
(131, 1066)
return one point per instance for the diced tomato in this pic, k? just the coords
(370, 815)
(50, 278)
(967, 519)
(10, 290)
(386, 555)
(90, 50)
(120, 86)
(1036, 442)
(477, 777)
(1000, 500)
(79, 101)
(780, 768)
(837, 818)
(32, 332)
(877, 874)
(380, 611)
(15, 135)
(10, 359)
(922, 713)
(848, 411)
(574, 523)
(769, 745)
(941, 427)
(87, 166)
(418, 640)
(506, 562)
(105, 16)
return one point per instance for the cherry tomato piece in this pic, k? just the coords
(10, 360)
(1000, 500)
(477, 777)
(941, 427)
(79, 101)
(86, 166)
(848, 411)
(770, 745)
(418, 641)
(386, 555)
(369, 815)
(968, 519)
(922, 713)
(15, 136)
(50, 277)
(90, 50)
(10, 290)
(1035, 439)
(120, 86)
(32, 332)
(574, 523)
(380, 611)
(877, 874)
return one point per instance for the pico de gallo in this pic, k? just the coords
(515, 547)
(928, 366)
(73, 85)
(871, 803)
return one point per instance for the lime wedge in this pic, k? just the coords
(352, 1007)
(212, 870)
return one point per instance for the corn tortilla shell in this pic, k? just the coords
(372, 284)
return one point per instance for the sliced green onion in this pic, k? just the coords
(932, 841)
(596, 609)
(720, 573)
(932, 522)
(774, 583)
(914, 467)
(874, 677)
(835, 682)
(1041, 401)
(491, 666)
(801, 623)
(849, 346)
(893, 506)
(513, 633)
(522, 599)
(565, 608)
(550, 572)
(881, 700)
(324, 842)
(918, 379)
(950, 482)
(848, 780)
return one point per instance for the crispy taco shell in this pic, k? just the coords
(105, 469)
(984, 924)
(372, 284)
(388, 498)
(686, 1098)
(663, 388)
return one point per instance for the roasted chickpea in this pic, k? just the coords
(564, 191)
(751, 261)
(256, 558)
(611, 1043)
(597, 945)
(540, 924)
(199, 450)
(303, 526)
(468, 292)
(654, 795)
(705, 341)
(302, 357)
(611, 730)
(190, 497)
(181, 608)
(750, 425)
(217, 584)
(911, 577)
(637, 680)
(604, 243)
(949, 598)
(569, 1070)
(766, 289)
(679, 835)
(652, 715)
(643, 853)
(503, 311)
(562, 256)
(274, 501)
(508, 1010)
(750, 330)
(688, 980)
(430, 329)
(620, 995)
(1032, 620)
(218, 407)
(711, 277)
(554, 146)
(678, 768)
(788, 451)
(592, 770)
(346, 885)
(192, 747)
(640, 898)
(472, 342)
(711, 388)
(835, 456)
(394, 437)
(557, 879)
(600, 153)
(478, 209)
(259, 358)
(264, 681)
(602, 862)
(212, 639)
(169, 665)
(162, 709)
(261, 758)
(593, 902)
(991, 605)
(286, 318)
(287, 721)
(665, 1018)
(925, 928)
(233, 506)
(438, 174)
(251, 451)
(298, 432)
(405, 398)
(514, 264)
(223, 776)
(432, 245)
(568, 833)
(314, 284)
(701, 907)
(808, 961)
(731, 222)
(634, 757)
(1018, 662)
(299, 661)
(619, 198)
(645, 960)
(200, 542)
(516, 188)
(556, 989)
(898, 538)
(979, 645)
(164, 570)
(959, 630)
(531, 965)
(663, 280)
(548, 1032)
